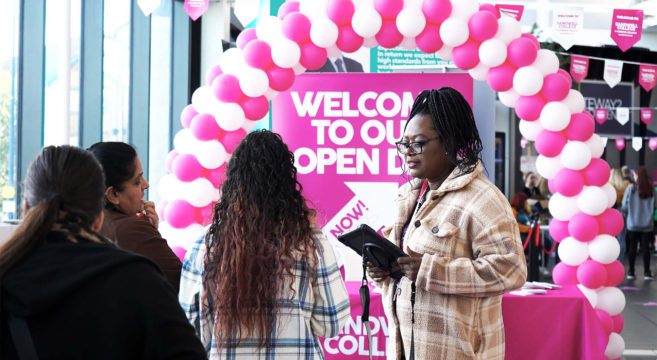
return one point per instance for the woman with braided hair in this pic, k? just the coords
(461, 235)
(263, 282)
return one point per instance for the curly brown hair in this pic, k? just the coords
(260, 223)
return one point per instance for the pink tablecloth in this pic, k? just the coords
(558, 325)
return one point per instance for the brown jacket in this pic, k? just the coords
(471, 253)
(139, 236)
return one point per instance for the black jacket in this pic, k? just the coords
(95, 301)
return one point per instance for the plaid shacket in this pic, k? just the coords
(315, 311)
(471, 253)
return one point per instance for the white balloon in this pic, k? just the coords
(592, 200)
(509, 98)
(268, 29)
(555, 116)
(575, 155)
(546, 62)
(596, 145)
(508, 29)
(298, 69)
(180, 237)
(492, 52)
(232, 61)
(563, 207)
(574, 101)
(530, 129)
(200, 192)
(313, 8)
(166, 188)
(604, 249)
(323, 32)
(463, 9)
(184, 141)
(611, 194)
(408, 43)
(253, 82)
(615, 346)
(366, 21)
(203, 100)
(590, 294)
(527, 81)
(333, 51)
(249, 125)
(454, 31)
(285, 52)
(229, 116)
(479, 72)
(210, 154)
(572, 252)
(445, 52)
(611, 300)
(548, 167)
(411, 21)
(370, 42)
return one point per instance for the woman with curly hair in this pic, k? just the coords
(263, 282)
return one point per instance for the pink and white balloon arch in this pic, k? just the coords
(478, 39)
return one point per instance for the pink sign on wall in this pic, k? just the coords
(342, 129)
(626, 27)
(647, 76)
(515, 11)
(646, 115)
(196, 8)
(600, 116)
(652, 144)
(620, 144)
(579, 67)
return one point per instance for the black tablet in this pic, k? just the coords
(378, 250)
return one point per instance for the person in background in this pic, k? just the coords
(519, 208)
(627, 174)
(531, 184)
(639, 203)
(616, 180)
(461, 235)
(263, 282)
(69, 293)
(130, 220)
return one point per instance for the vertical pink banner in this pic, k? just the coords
(647, 76)
(626, 27)
(652, 144)
(196, 8)
(601, 116)
(579, 67)
(515, 11)
(646, 115)
(620, 144)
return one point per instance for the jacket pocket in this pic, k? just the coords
(436, 238)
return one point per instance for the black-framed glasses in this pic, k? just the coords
(416, 147)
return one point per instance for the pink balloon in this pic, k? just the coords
(583, 227)
(615, 273)
(500, 78)
(551, 186)
(245, 37)
(216, 176)
(591, 274)
(568, 182)
(482, 25)
(555, 87)
(618, 323)
(428, 41)
(566, 76)
(466, 56)
(287, 8)
(296, 27)
(436, 11)
(179, 214)
(187, 168)
(212, 74)
(205, 127)
(186, 115)
(581, 126)
(172, 155)
(230, 139)
(348, 41)
(255, 108)
(180, 252)
(388, 9)
(490, 8)
(257, 54)
(558, 229)
(549, 143)
(605, 320)
(389, 36)
(313, 57)
(160, 207)
(563, 274)
(529, 107)
(226, 87)
(533, 38)
(340, 11)
(280, 79)
(610, 222)
(597, 173)
(521, 52)
(204, 214)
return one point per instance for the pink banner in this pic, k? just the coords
(342, 129)
(626, 27)
(515, 11)
(646, 115)
(647, 76)
(620, 144)
(652, 144)
(579, 67)
(196, 8)
(601, 116)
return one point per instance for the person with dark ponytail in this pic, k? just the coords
(67, 292)
(130, 220)
(263, 282)
(461, 235)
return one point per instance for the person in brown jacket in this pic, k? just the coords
(461, 235)
(130, 220)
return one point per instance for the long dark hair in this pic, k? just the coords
(643, 183)
(59, 178)
(118, 161)
(454, 122)
(259, 223)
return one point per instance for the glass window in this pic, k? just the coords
(116, 70)
(9, 15)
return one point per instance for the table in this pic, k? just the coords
(559, 325)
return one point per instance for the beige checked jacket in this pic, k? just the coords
(471, 253)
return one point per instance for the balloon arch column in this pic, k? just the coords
(491, 47)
